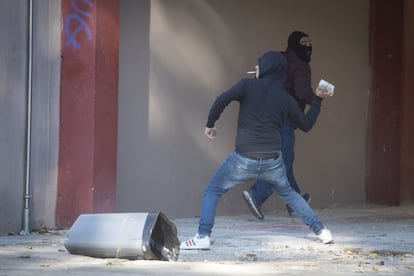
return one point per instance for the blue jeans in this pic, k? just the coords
(260, 190)
(237, 169)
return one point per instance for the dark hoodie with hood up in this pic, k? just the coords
(264, 107)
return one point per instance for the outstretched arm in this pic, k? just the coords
(306, 121)
(234, 93)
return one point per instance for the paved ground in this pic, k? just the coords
(371, 240)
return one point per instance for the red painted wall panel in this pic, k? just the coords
(88, 118)
(383, 134)
(407, 118)
(390, 136)
(106, 112)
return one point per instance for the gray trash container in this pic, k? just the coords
(148, 236)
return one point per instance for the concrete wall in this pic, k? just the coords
(177, 56)
(13, 55)
(45, 112)
(13, 112)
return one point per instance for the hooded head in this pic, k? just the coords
(272, 64)
(304, 52)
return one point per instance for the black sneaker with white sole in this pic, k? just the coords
(251, 203)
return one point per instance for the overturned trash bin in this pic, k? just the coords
(148, 236)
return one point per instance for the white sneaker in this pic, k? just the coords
(325, 236)
(196, 243)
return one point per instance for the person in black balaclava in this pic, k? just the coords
(298, 84)
(300, 43)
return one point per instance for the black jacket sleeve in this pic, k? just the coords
(234, 93)
(305, 121)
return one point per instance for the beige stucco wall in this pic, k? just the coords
(177, 56)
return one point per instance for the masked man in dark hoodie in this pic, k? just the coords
(298, 85)
(264, 108)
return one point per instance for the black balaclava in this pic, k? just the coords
(302, 51)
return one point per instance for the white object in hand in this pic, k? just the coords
(323, 84)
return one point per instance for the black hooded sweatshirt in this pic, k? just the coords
(264, 107)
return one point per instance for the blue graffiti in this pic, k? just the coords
(81, 23)
(78, 10)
